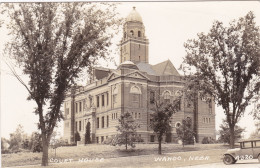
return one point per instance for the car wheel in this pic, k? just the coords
(228, 159)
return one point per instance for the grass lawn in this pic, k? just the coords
(93, 151)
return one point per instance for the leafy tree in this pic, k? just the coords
(225, 132)
(87, 134)
(185, 131)
(225, 63)
(4, 146)
(53, 43)
(256, 133)
(36, 142)
(127, 131)
(160, 119)
(77, 137)
(16, 139)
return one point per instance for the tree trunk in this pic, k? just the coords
(232, 136)
(126, 141)
(44, 152)
(160, 147)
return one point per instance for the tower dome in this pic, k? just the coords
(134, 16)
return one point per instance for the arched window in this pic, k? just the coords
(139, 33)
(131, 32)
(136, 94)
(167, 96)
(178, 124)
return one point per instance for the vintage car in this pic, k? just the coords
(249, 149)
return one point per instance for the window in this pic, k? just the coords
(139, 46)
(67, 111)
(107, 121)
(97, 101)
(102, 139)
(76, 125)
(152, 137)
(103, 122)
(76, 106)
(80, 106)
(90, 101)
(97, 139)
(107, 98)
(139, 58)
(179, 105)
(246, 145)
(210, 106)
(152, 96)
(136, 92)
(79, 125)
(125, 35)
(139, 115)
(97, 122)
(139, 33)
(116, 115)
(112, 116)
(167, 97)
(135, 115)
(103, 100)
(132, 33)
(257, 144)
(209, 120)
(178, 124)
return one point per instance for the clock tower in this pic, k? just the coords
(134, 46)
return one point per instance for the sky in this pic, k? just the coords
(167, 25)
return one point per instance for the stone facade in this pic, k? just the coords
(132, 87)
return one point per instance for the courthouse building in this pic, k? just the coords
(132, 87)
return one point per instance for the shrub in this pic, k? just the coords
(208, 140)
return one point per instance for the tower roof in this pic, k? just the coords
(134, 16)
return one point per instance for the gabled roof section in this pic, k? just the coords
(165, 68)
(112, 76)
(137, 74)
(145, 67)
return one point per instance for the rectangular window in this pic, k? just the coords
(139, 115)
(97, 139)
(107, 121)
(152, 138)
(80, 106)
(247, 145)
(179, 105)
(102, 139)
(103, 122)
(97, 101)
(97, 122)
(76, 125)
(114, 98)
(107, 98)
(116, 115)
(76, 107)
(152, 95)
(67, 111)
(135, 115)
(79, 125)
(103, 100)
